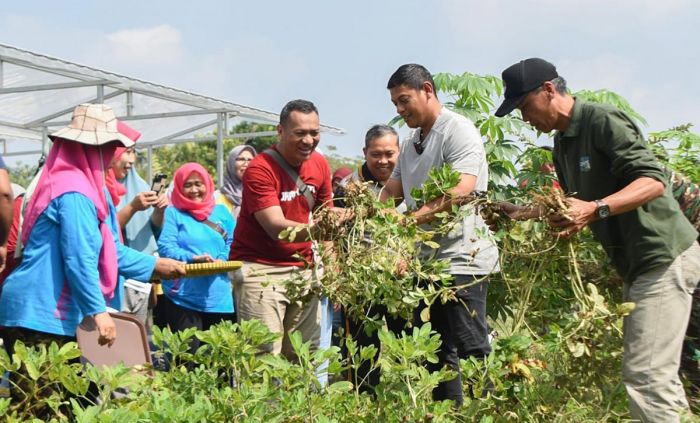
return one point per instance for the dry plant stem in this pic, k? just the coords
(552, 201)
(539, 252)
(526, 283)
(577, 286)
(524, 296)
(533, 270)
(576, 282)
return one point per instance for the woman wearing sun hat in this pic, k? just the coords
(72, 256)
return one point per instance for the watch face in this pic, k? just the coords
(603, 211)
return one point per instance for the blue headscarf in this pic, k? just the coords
(139, 231)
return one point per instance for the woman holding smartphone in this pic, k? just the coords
(140, 212)
(136, 195)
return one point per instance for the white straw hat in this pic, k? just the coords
(93, 124)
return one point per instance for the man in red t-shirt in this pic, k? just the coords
(271, 203)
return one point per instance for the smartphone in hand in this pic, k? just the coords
(160, 182)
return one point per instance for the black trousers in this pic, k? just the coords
(159, 312)
(461, 325)
(464, 333)
(179, 318)
(366, 377)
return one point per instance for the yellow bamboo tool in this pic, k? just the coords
(205, 269)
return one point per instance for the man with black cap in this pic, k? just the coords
(623, 194)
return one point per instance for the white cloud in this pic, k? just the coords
(159, 45)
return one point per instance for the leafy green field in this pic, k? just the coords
(555, 309)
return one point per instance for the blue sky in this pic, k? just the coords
(340, 54)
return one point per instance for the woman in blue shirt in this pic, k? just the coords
(72, 259)
(196, 230)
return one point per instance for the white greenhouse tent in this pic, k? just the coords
(38, 94)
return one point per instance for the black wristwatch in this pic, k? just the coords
(602, 210)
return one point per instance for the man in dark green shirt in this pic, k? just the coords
(620, 191)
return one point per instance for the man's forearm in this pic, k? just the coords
(391, 189)
(303, 235)
(426, 214)
(635, 194)
(529, 212)
(385, 195)
(455, 196)
(274, 222)
(328, 251)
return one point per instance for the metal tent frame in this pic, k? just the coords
(38, 94)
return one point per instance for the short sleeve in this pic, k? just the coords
(396, 173)
(463, 149)
(259, 188)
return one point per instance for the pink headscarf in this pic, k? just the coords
(199, 211)
(116, 190)
(75, 167)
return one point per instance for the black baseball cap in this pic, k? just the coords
(521, 78)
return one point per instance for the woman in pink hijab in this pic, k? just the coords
(196, 230)
(72, 257)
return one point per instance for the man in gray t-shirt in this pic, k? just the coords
(441, 136)
(452, 139)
